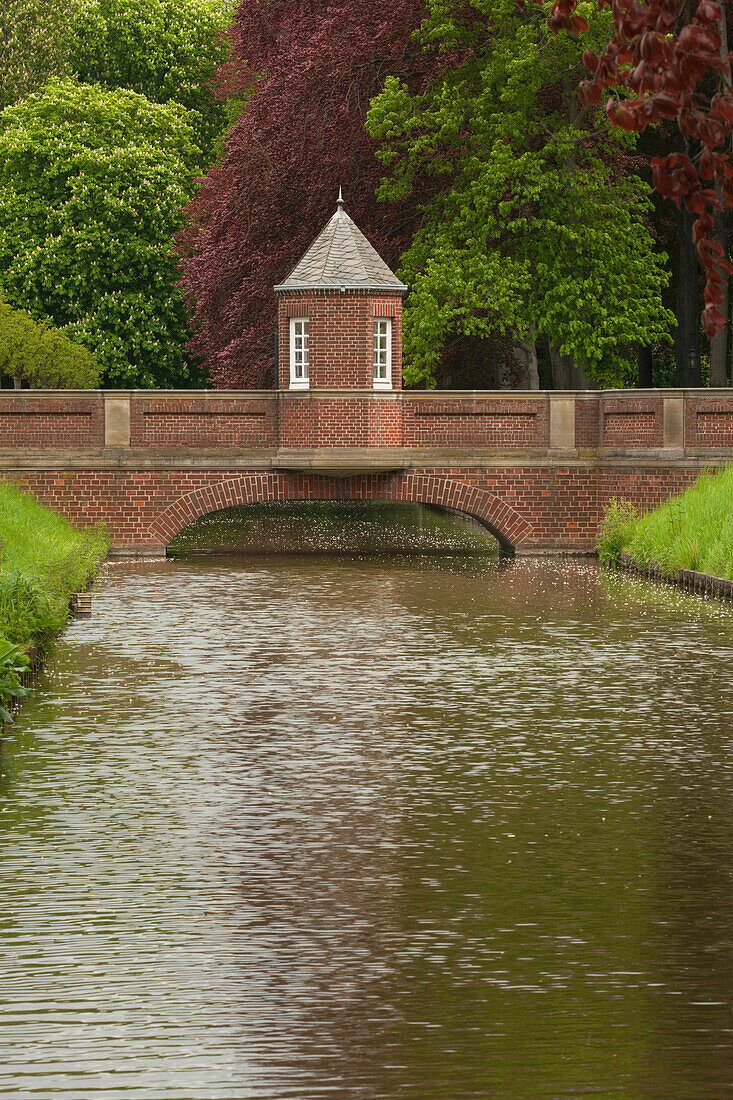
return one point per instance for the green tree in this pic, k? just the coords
(38, 353)
(162, 49)
(35, 40)
(535, 227)
(91, 187)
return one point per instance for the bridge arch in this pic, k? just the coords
(507, 525)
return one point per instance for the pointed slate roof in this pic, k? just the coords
(341, 258)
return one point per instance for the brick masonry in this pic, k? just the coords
(203, 423)
(709, 423)
(633, 422)
(341, 335)
(38, 422)
(167, 458)
(509, 424)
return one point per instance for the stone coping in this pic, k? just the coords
(371, 459)
(420, 395)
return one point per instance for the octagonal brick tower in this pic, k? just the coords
(340, 343)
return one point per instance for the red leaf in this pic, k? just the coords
(705, 167)
(578, 25)
(590, 93)
(590, 60)
(713, 321)
(714, 295)
(709, 12)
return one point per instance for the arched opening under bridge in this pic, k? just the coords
(504, 522)
(334, 527)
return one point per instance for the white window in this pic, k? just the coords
(299, 353)
(383, 352)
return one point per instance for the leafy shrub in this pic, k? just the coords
(13, 663)
(36, 352)
(617, 526)
(26, 613)
(91, 188)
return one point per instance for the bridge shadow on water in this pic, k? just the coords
(352, 528)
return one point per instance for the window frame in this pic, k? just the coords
(299, 383)
(386, 382)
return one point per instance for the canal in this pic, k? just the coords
(317, 826)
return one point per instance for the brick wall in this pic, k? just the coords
(145, 509)
(494, 455)
(505, 424)
(708, 422)
(646, 487)
(587, 421)
(527, 507)
(51, 421)
(341, 336)
(202, 422)
(309, 419)
(633, 422)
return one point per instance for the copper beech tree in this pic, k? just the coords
(305, 73)
(669, 61)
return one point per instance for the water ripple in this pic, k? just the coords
(369, 828)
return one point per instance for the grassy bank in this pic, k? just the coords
(43, 561)
(691, 531)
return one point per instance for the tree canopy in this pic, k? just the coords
(38, 353)
(92, 183)
(534, 228)
(518, 213)
(35, 43)
(162, 49)
(664, 60)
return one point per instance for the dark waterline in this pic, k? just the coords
(315, 828)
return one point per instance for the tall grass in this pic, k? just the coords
(43, 560)
(690, 531)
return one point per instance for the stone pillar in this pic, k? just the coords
(562, 422)
(116, 419)
(674, 422)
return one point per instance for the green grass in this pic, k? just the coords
(690, 531)
(43, 560)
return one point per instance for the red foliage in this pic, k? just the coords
(673, 67)
(311, 67)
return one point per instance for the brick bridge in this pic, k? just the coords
(537, 468)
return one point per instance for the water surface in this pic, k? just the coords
(337, 827)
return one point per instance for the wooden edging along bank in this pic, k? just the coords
(701, 584)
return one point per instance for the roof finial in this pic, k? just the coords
(340, 204)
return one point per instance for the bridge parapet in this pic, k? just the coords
(616, 422)
(537, 468)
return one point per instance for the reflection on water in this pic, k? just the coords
(319, 827)
(334, 527)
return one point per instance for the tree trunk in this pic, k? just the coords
(567, 373)
(687, 337)
(646, 371)
(578, 378)
(560, 368)
(525, 361)
(505, 375)
(719, 342)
